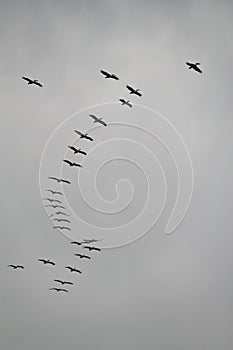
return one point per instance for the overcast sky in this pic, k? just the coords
(165, 292)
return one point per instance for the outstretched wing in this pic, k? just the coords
(130, 88)
(67, 161)
(38, 83)
(27, 79)
(106, 74)
(94, 117)
(72, 148)
(79, 133)
(198, 69)
(53, 178)
(66, 181)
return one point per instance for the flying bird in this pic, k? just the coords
(75, 150)
(92, 240)
(55, 206)
(16, 266)
(125, 102)
(134, 91)
(51, 200)
(76, 242)
(31, 81)
(59, 180)
(55, 192)
(109, 75)
(71, 163)
(91, 248)
(82, 256)
(73, 269)
(47, 261)
(194, 66)
(83, 136)
(62, 228)
(64, 282)
(61, 213)
(59, 289)
(97, 120)
(61, 220)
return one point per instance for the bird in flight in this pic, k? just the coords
(61, 213)
(55, 206)
(125, 102)
(31, 81)
(59, 289)
(59, 180)
(98, 120)
(71, 163)
(62, 228)
(47, 261)
(16, 266)
(109, 75)
(75, 150)
(83, 136)
(73, 269)
(134, 91)
(82, 256)
(76, 242)
(55, 192)
(64, 282)
(92, 240)
(61, 220)
(91, 248)
(51, 200)
(194, 66)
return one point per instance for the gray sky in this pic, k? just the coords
(163, 291)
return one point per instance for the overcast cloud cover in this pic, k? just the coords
(161, 292)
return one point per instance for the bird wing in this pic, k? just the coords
(198, 69)
(37, 83)
(58, 281)
(72, 148)
(105, 73)
(66, 181)
(27, 79)
(79, 132)
(130, 88)
(94, 117)
(53, 178)
(67, 161)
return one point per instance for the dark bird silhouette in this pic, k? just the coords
(64, 282)
(92, 240)
(76, 242)
(83, 136)
(47, 261)
(125, 102)
(55, 206)
(61, 213)
(75, 150)
(134, 91)
(30, 81)
(82, 256)
(71, 163)
(109, 75)
(55, 192)
(194, 66)
(73, 269)
(62, 228)
(51, 200)
(59, 180)
(59, 289)
(16, 266)
(61, 220)
(91, 248)
(98, 120)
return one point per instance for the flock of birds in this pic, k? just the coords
(60, 216)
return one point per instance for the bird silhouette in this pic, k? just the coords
(47, 261)
(71, 163)
(51, 200)
(64, 282)
(61, 213)
(59, 289)
(194, 66)
(62, 228)
(16, 266)
(32, 81)
(91, 248)
(55, 206)
(82, 256)
(133, 91)
(59, 180)
(83, 136)
(109, 75)
(97, 120)
(91, 240)
(75, 150)
(61, 220)
(54, 192)
(76, 242)
(73, 269)
(125, 102)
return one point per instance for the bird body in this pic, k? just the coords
(83, 136)
(61, 213)
(54, 192)
(76, 242)
(134, 91)
(91, 248)
(73, 269)
(194, 66)
(47, 261)
(109, 75)
(97, 120)
(61, 220)
(51, 200)
(55, 206)
(64, 282)
(125, 102)
(62, 228)
(32, 81)
(82, 256)
(59, 180)
(59, 289)
(71, 163)
(16, 266)
(75, 150)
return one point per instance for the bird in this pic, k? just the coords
(61, 220)
(124, 102)
(76, 242)
(134, 91)
(62, 228)
(47, 261)
(64, 282)
(51, 200)
(16, 266)
(55, 206)
(30, 81)
(83, 136)
(75, 150)
(61, 213)
(91, 248)
(71, 163)
(82, 256)
(54, 192)
(98, 120)
(92, 240)
(194, 66)
(59, 289)
(73, 269)
(59, 180)
(109, 75)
